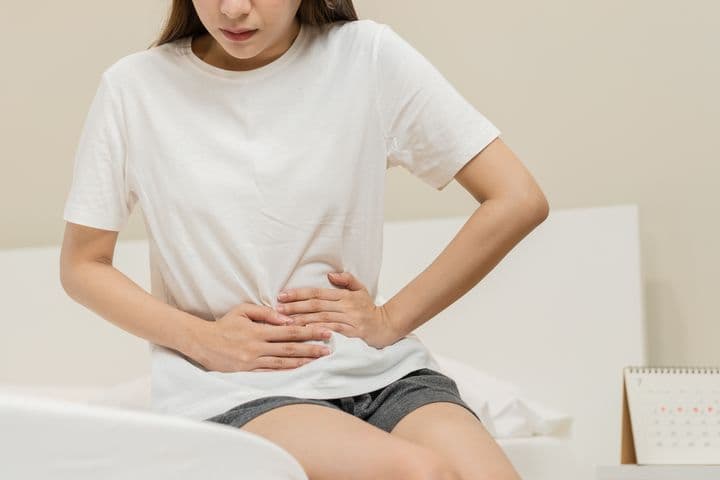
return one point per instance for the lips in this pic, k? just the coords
(239, 37)
(240, 30)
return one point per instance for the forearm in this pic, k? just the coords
(109, 293)
(495, 227)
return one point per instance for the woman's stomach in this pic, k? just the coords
(349, 358)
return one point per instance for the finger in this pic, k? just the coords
(346, 279)
(304, 293)
(307, 306)
(280, 363)
(264, 313)
(319, 317)
(294, 333)
(294, 349)
(344, 328)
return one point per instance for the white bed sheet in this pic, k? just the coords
(46, 437)
(43, 438)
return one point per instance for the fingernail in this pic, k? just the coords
(283, 296)
(282, 318)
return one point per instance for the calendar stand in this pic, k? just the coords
(627, 442)
(630, 470)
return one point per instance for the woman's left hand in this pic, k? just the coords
(350, 310)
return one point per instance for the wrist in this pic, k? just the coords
(393, 322)
(191, 336)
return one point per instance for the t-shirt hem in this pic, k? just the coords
(440, 175)
(88, 220)
(224, 403)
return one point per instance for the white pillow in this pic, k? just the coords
(503, 407)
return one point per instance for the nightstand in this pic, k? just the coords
(657, 472)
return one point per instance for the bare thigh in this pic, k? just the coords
(332, 444)
(455, 433)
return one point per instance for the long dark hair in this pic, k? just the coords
(182, 19)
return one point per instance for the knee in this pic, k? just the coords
(428, 465)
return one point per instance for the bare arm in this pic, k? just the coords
(88, 277)
(512, 205)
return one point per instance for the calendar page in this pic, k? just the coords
(675, 414)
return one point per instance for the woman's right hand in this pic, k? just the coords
(239, 342)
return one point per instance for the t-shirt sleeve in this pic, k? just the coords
(430, 128)
(100, 196)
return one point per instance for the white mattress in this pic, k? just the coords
(541, 457)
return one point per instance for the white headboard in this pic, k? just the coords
(559, 316)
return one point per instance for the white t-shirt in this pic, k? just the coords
(255, 181)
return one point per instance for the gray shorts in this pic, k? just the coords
(383, 408)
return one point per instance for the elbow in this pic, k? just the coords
(532, 205)
(541, 209)
(68, 274)
(63, 272)
(66, 281)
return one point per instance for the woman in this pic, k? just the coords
(259, 161)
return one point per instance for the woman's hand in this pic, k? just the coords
(254, 337)
(350, 310)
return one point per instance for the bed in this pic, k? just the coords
(537, 347)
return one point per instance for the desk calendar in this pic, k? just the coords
(671, 415)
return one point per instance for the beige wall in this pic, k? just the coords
(606, 103)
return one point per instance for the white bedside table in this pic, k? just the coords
(657, 472)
